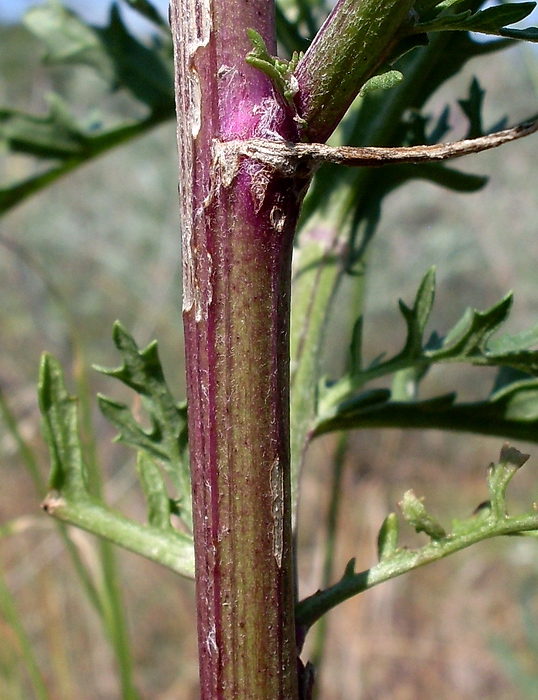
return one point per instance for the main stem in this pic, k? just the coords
(239, 215)
(238, 220)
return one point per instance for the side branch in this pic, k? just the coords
(287, 157)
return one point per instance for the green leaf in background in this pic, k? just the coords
(115, 54)
(55, 136)
(145, 72)
(154, 488)
(510, 410)
(166, 440)
(70, 500)
(491, 519)
(147, 10)
(492, 21)
(391, 119)
(68, 39)
(16, 131)
(61, 431)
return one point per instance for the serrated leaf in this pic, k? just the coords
(510, 412)
(69, 498)
(61, 431)
(468, 339)
(166, 440)
(425, 70)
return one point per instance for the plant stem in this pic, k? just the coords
(353, 43)
(238, 221)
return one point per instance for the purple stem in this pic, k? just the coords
(238, 222)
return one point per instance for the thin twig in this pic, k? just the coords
(286, 157)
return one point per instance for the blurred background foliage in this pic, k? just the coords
(104, 244)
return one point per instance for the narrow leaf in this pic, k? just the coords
(417, 317)
(61, 431)
(154, 489)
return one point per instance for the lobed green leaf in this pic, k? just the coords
(490, 519)
(492, 21)
(70, 500)
(510, 410)
(167, 439)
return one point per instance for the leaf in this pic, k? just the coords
(70, 500)
(384, 81)
(58, 136)
(417, 317)
(123, 62)
(499, 476)
(68, 39)
(55, 136)
(492, 20)
(529, 34)
(452, 179)
(387, 538)
(336, 191)
(154, 488)
(472, 108)
(115, 54)
(511, 409)
(147, 10)
(288, 34)
(61, 431)
(167, 439)
(146, 72)
(509, 413)
(490, 521)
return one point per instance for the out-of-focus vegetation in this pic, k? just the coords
(67, 265)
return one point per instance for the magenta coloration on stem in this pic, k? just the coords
(238, 222)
